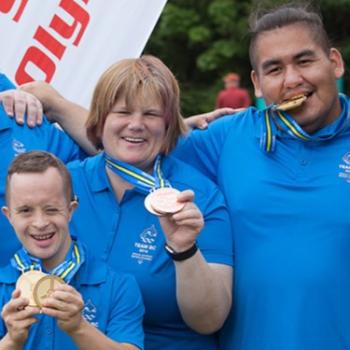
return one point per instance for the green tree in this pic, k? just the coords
(201, 40)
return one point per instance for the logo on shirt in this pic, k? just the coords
(345, 167)
(89, 313)
(18, 147)
(144, 248)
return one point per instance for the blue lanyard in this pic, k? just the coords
(142, 181)
(24, 262)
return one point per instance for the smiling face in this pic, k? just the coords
(289, 62)
(39, 212)
(135, 134)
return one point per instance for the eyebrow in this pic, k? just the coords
(305, 53)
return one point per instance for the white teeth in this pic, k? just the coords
(43, 237)
(134, 139)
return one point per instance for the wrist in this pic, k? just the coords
(183, 254)
(11, 344)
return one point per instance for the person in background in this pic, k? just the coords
(89, 306)
(233, 95)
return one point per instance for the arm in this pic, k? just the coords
(18, 319)
(201, 121)
(203, 290)
(70, 116)
(65, 304)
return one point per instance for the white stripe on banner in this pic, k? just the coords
(69, 43)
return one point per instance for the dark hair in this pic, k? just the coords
(39, 162)
(265, 20)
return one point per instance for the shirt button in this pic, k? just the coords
(304, 162)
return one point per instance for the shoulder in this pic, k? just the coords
(8, 275)
(183, 176)
(87, 164)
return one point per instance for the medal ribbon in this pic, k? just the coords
(24, 262)
(284, 121)
(142, 181)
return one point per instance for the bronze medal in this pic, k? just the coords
(26, 284)
(44, 287)
(164, 201)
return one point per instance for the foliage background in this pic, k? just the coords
(201, 40)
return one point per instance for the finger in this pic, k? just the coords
(34, 111)
(8, 103)
(20, 109)
(185, 196)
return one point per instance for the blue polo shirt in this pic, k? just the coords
(113, 304)
(291, 226)
(131, 240)
(16, 139)
(6, 83)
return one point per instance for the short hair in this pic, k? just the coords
(143, 78)
(231, 77)
(262, 21)
(39, 162)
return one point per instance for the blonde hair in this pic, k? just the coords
(143, 78)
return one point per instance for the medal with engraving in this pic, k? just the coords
(26, 284)
(44, 288)
(163, 201)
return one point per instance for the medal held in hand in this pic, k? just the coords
(44, 287)
(163, 201)
(26, 284)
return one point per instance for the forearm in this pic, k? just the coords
(6, 343)
(204, 293)
(72, 118)
(88, 337)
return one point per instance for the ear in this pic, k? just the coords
(336, 58)
(255, 81)
(72, 206)
(6, 211)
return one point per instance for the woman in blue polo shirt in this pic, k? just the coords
(180, 251)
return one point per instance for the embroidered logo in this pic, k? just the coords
(89, 313)
(145, 247)
(345, 167)
(18, 147)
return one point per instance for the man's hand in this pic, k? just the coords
(182, 228)
(18, 318)
(201, 121)
(17, 103)
(65, 304)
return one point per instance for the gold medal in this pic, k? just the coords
(163, 201)
(26, 284)
(294, 102)
(44, 287)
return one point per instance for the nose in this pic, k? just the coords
(136, 122)
(39, 220)
(293, 77)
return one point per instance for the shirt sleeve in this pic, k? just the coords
(60, 143)
(126, 316)
(202, 148)
(6, 83)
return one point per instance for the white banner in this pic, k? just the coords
(69, 43)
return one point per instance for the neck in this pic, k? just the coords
(118, 184)
(50, 264)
